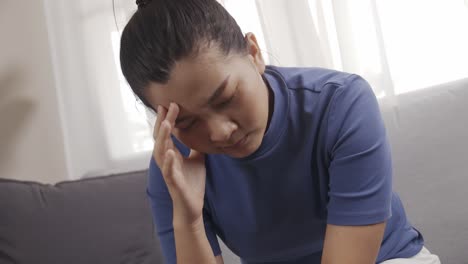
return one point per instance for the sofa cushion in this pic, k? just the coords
(428, 132)
(99, 220)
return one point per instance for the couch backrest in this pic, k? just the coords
(92, 221)
(428, 132)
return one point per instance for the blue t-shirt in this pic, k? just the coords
(325, 159)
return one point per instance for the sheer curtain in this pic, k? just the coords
(398, 46)
(106, 130)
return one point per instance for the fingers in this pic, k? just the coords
(160, 143)
(172, 114)
(163, 128)
(169, 170)
(167, 167)
(160, 118)
(163, 114)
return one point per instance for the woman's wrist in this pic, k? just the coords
(192, 245)
(193, 226)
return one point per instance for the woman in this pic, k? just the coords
(285, 165)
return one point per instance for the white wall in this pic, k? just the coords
(31, 141)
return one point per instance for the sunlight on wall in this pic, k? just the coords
(424, 43)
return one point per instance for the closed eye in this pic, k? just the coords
(187, 125)
(226, 102)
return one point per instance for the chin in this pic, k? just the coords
(250, 147)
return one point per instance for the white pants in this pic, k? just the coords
(423, 257)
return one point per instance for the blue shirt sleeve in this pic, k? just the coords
(360, 171)
(161, 206)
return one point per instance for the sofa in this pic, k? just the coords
(102, 220)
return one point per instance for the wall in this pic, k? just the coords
(31, 141)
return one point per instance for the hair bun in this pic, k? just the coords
(142, 3)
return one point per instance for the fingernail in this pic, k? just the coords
(158, 109)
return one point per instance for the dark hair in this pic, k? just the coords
(162, 32)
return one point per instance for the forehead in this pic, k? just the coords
(191, 82)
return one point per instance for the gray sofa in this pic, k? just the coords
(428, 132)
(105, 220)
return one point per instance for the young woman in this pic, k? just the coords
(285, 165)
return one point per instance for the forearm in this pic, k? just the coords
(192, 245)
(352, 244)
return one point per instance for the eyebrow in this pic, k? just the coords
(217, 93)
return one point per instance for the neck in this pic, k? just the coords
(271, 102)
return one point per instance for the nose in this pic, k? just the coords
(220, 130)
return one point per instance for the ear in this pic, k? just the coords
(254, 52)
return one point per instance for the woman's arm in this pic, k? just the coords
(352, 244)
(185, 178)
(192, 245)
(219, 259)
(360, 183)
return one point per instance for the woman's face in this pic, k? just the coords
(223, 101)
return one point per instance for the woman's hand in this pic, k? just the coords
(184, 177)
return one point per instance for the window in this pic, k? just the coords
(398, 46)
(426, 41)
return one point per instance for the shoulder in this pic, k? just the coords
(309, 78)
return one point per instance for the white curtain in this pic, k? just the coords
(398, 45)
